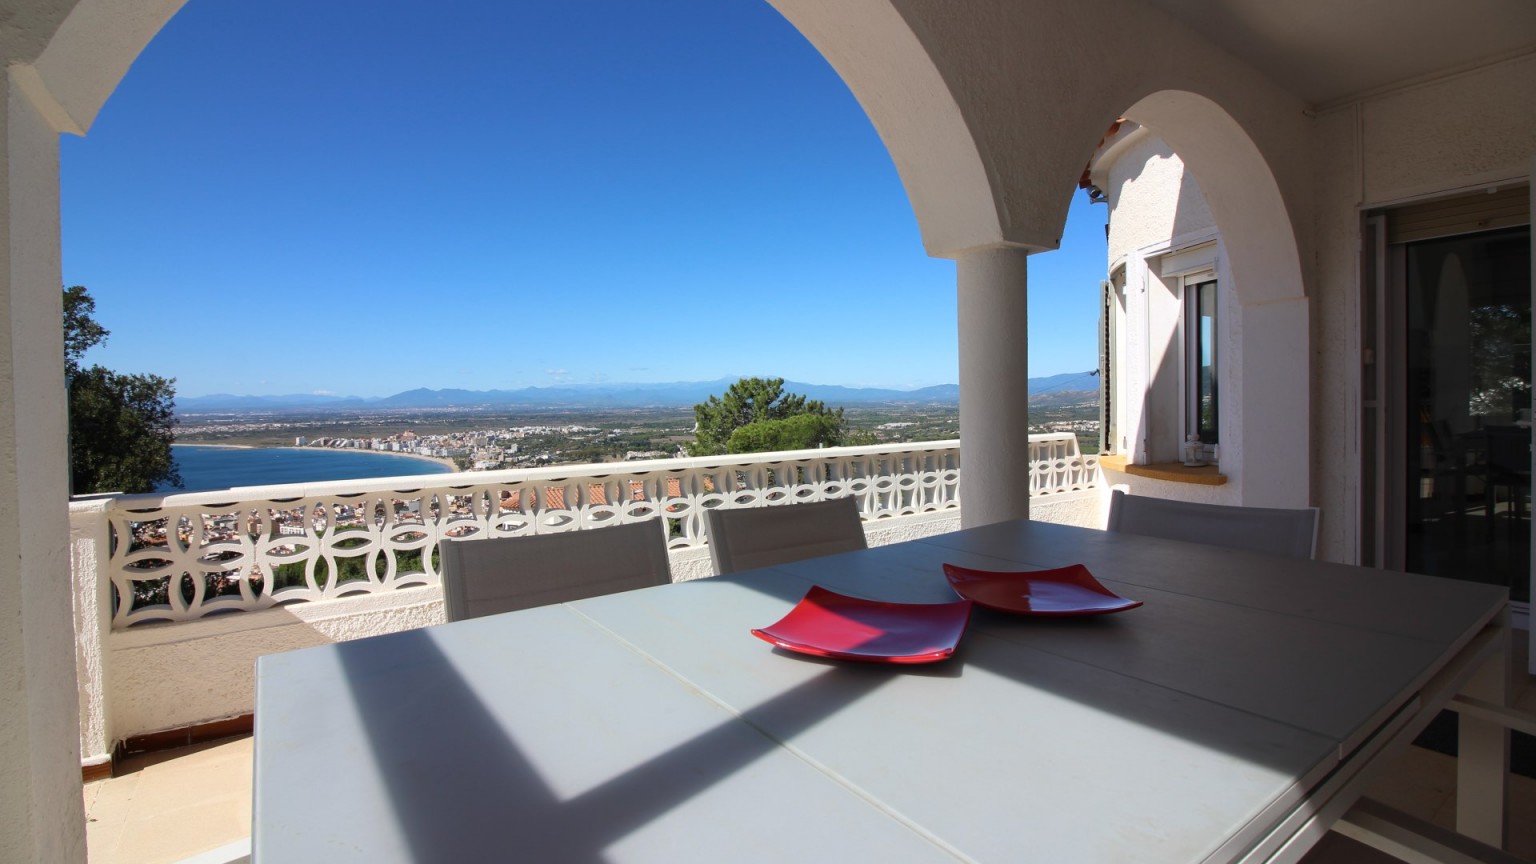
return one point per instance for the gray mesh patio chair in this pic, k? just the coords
(764, 536)
(487, 577)
(1287, 533)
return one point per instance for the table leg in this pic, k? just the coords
(1482, 763)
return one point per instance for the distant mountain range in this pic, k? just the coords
(676, 394)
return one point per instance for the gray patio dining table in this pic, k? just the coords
(1232, 717)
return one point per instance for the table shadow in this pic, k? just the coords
(442, 803)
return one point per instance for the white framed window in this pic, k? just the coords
(1191, 271)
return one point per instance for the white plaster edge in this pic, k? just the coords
(310, 612)
(895, 529)
(29, 83)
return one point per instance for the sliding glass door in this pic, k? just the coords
(1466, 430)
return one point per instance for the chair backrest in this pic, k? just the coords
(504, 574)
(764, 536)
(1274, 531)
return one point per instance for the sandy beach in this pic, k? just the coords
(438, 459)
(222, 446)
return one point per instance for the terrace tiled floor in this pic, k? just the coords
(174, 805)
(169, 806)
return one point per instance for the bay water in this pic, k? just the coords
(205, 468)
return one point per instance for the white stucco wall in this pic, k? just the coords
(1142, 175)
(165, 676)
(1087, 508)
(1468, 129)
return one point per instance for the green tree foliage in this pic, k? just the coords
(81, 331)
(756, 416)
(861, 438)
(120, 426)
(800, 432)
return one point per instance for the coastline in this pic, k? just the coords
(453, 468)
(217, 446)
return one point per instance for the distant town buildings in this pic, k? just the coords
(639, 455)
(480, 449)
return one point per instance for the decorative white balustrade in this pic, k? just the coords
(184, 556)
(1057, 465)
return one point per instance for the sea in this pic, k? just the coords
(206, 468)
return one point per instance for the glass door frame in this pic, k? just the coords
(1382, 506)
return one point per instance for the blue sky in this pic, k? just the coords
(299, 197)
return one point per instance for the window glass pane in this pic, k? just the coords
(1203, 387)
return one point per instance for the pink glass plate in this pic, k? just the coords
(828, 624)
(1063, 592)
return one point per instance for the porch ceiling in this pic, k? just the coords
(1324, 50)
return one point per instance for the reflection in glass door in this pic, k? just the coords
(1468, 381)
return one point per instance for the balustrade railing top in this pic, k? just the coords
(178, 557)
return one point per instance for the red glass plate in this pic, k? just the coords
(828, 624)
(1063, 592)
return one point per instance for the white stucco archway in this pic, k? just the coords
(1273, 409)
(63, 60)
(1240, 187)
(87, 55)
(988, 116)
(913, 109)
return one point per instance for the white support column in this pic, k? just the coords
(994, 386)
(40, 801)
